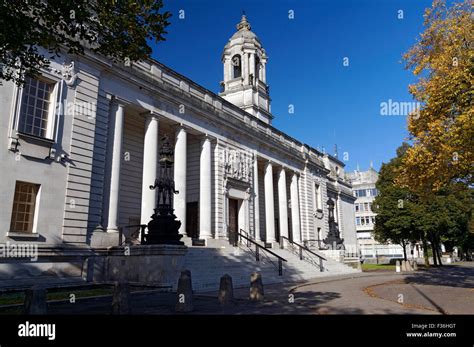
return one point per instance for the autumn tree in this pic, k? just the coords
(121, 30)
(442, 131)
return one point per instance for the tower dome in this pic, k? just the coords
(244, 82)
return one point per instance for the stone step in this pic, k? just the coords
(208, 264)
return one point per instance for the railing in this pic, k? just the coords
(304, 253)
(312, 243)
(258, 248)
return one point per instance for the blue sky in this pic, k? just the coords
(332, 103)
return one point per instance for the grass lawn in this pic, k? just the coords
(377, 267)
(19, 298)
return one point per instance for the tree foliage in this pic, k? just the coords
(396, 218)
(405, 216)
(118, 29)
(442, 131)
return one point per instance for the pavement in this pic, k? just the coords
(446, 290)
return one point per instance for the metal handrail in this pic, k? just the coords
(306, 242)
(304, 249)
(257, 251)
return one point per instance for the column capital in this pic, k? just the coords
(180, 126)
(206, 137)
(269, 162)
(118, 100)
(151, 114)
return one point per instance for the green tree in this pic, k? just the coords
(121, 30)
(453, 207)
(445, 216)
(395, 220)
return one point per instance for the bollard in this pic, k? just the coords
(121, 299)
(36, 301)
(404, 266)
(184, 294)
(256, 287)
(415, 265)
(226, 290)
(397, 266)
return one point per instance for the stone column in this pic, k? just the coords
(283, 203)
(205, 190)
(150, 163)
(230, 68)
(256, 205)
(252, 67)
(269, 204)
(180, 155)
(245, 70)
(295, 209)
(247, 210)
(226, 68)
(338, 214)
(225, 194)
(117, 116)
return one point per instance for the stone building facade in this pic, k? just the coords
(81, 147)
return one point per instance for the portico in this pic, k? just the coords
(234, 172)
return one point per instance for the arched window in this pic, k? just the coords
(257, 67)
(237, 66)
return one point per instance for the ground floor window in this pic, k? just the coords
(24, 207)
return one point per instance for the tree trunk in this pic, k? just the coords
(425, 252)
(433, 250)
(404, 250)
(438, 250)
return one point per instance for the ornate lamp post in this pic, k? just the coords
(163, 227)
(333, 239)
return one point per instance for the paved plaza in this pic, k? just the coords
(446, 290)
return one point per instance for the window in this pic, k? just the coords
(356, 207)
(319, 202)
(373, 219)
(360, 192)
(357, 220)
(372, 192)
(237, 66)
(24, 206)
(367, 220)
(257, 67)
(37, 108)
(366, 207)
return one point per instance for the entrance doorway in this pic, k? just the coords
(233, 221)
(192, 220)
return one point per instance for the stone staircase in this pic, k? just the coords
(300, 270)
(208, 264)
